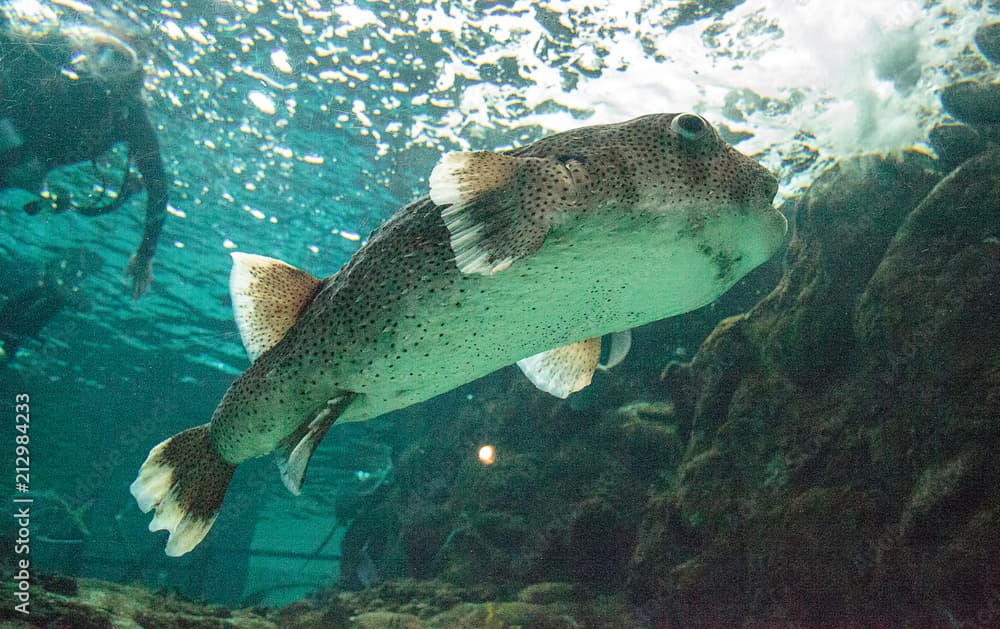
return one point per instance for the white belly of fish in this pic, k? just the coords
(596, 278)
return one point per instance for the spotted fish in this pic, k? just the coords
(526, 256)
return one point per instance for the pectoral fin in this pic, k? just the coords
(268, 296)
(563, 370)
(499, 207)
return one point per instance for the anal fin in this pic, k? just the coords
(563, 370)
(295, 450)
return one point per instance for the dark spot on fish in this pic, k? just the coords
(725, 263)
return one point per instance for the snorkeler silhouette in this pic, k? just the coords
(68, 95)
(25, 314)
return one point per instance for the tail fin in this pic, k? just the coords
(184, 479)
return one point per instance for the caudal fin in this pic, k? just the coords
(184, 479)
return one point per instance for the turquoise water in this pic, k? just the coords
(292, 129)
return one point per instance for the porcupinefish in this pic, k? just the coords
(527, 256)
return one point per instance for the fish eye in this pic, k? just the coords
(689, 126)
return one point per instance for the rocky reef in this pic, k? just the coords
(840, 458)
(63, 602)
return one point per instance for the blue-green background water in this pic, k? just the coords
(301, 159)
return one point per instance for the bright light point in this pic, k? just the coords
(228, 244)
(263, 102)
(178, 244)
(279, 59)
(487, 455)
(350, 236)
(172, 30)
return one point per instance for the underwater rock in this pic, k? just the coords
(841, 467)
(422, 599)
(101, 604)
(988, 41)
(386, 620)
(599, 612)
(842, 226)
(435, 604)
(929, 317)
(58, 584)
(501, 615)
(955, 143)
(938, 280)
(645, 444)
(552, 592)
(659, 412)
(973, 102)
(404, 604)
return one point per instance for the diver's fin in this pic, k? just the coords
(184, 479)
(295, 450)
(499, 207)
(621, 343)
(563, 370)
(268, 296)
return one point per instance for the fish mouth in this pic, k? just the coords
(779, 221)
(775, 222)
(759, 234)
(775, 227)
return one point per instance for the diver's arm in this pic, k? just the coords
(144, 150)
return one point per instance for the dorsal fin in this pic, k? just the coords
(563, 370)
(268, 296)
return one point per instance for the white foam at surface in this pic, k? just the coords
(825, 50)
